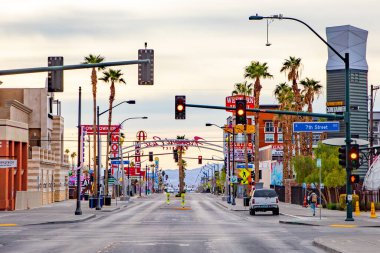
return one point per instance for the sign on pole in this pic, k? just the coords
(119, 162)
(8, 163)
(316, 127)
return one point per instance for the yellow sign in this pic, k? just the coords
(335, 103)
(240, 129)
(245, 175)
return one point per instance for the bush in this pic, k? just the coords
(332, 206)
(364, 207)
(377, 206)
(342, 201)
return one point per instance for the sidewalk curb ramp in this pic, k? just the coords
(324, 247)
(63, 221)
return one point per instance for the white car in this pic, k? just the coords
(170, 190)
(263, 200)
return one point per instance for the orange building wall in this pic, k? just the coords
(12, 179)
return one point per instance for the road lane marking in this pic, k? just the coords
(343, 226)
(8, 225)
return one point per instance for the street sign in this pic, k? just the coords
(319, 163)
(119, 162)
(242, 166)
(250, 129)
(332, 126)
(234, 179)
(8, 163)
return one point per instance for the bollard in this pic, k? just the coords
(168, 198)
(357, 209)
(183, 200)
(373, 212)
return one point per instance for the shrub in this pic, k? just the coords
(377, 206)
(331, 206)
(342, 201)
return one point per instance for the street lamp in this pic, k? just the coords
(121, 153)
(346, 60)
(231, 173)
(98, 207)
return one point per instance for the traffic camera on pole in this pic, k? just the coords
(342, 156)
(180, 107)
(240, 112)
(354, 156)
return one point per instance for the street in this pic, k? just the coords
(149, 224)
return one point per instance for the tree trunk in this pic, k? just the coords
(111, 99)
(329, 194)
(94, 81)
(180, 168)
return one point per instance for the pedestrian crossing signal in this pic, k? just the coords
(200, 159)
(354, 179)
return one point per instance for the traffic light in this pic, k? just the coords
(199, 159)
(240, 112)
(354, 179)
(146, 70)
(175, 155)
(354, 156)
(249, 158)
(150, 156)
(253, 174)
(180, 107)
(342, 156)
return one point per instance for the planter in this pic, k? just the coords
(86, 196)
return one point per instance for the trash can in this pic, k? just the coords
(86, 195)
(92, 202)
(246, 201)
(107, 200)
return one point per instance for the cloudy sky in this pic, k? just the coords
(201, 48)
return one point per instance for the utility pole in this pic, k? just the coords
(371, 123)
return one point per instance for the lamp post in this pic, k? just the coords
(346, 60)
(98, 207)
(78, 210)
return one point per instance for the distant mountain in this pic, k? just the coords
(193, 176)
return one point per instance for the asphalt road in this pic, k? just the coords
(150, 225)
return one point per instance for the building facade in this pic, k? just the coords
(32, 134)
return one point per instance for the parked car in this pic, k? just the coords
(169, 190)
(263, 200)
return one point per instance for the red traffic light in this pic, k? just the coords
(241, 114)
(180, 107)
(200, 159)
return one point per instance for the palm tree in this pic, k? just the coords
(93, 59)
(311, 89)
(257, 71)
(285, 96)
(111, 76)
(291, 67)
(181, 165)
(242, 89)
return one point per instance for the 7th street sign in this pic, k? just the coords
(316, 127)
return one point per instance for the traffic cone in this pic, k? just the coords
(357, 209)
(304, 202)
(373, 212)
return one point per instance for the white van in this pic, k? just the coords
(263, 200)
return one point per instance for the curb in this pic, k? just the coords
(63, 222)
(297, 223)
(325, 248)
(110, 210)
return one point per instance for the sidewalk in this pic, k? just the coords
(298, 215)
(55, 213)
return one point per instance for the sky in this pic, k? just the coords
(201, 48)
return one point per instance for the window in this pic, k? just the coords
(279, 128)
(280, 138)
(269, 127)
(269, 138)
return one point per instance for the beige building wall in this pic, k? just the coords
(27, 110)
